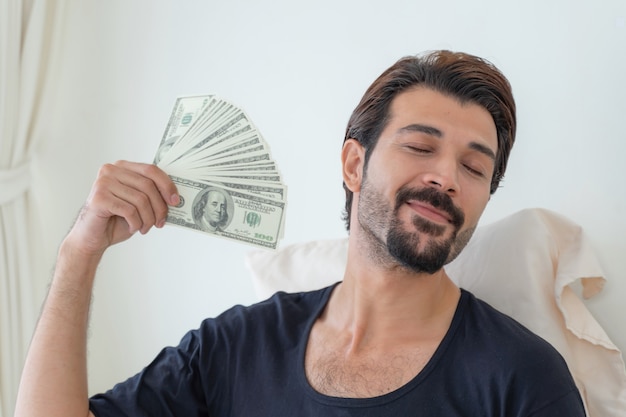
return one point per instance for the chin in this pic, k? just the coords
(411, 251)
(428, 249)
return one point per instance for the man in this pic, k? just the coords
(423, 152)
(210, 212)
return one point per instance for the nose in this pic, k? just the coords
(442, 174)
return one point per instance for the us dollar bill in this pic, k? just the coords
(184, 115)
(228, 183)
(228, 212)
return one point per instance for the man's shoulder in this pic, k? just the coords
(284, 310)
(481, 315)
(497, 350)
(295, 302)
(503, 339)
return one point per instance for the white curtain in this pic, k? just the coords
(29, 31)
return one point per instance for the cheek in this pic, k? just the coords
(388, 175)
(475, 208)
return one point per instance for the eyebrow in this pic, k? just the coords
(433, 131)
(416, 127)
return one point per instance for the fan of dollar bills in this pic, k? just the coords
(228, 183)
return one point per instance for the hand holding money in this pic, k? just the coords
(125, 198)
(228, 183)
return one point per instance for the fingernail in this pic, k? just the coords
(174, 199)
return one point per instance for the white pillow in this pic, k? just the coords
(298, 267)
(523, 265)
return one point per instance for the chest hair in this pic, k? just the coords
(368, 374)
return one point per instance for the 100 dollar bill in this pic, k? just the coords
(228, 212)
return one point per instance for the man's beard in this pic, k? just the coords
(402, 245)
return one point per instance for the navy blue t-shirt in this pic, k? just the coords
(249, 361)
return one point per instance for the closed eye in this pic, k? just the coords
(419, 149)
(474, 171)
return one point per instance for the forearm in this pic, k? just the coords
(54, 380)
(125, 198)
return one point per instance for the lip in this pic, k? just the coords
(429, 212)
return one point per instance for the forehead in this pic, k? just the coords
(443, 112)
(216, 196)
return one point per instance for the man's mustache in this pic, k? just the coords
(440, 201)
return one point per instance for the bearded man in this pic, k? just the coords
(424, 150)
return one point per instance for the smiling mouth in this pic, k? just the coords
(430, 206)
(429, 212)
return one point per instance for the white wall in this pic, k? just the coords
(299, 69)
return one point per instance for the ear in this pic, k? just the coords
(352, 161)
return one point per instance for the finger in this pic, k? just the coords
(124, 193)
(161, 180)
(137, 208)
(111, 197)
(149, 188)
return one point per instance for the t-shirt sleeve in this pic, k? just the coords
(169, 386)
(224, 359)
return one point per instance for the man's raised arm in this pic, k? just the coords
(125, 198)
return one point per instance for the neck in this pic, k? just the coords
(383, 302)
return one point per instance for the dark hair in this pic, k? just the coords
(463, 76)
